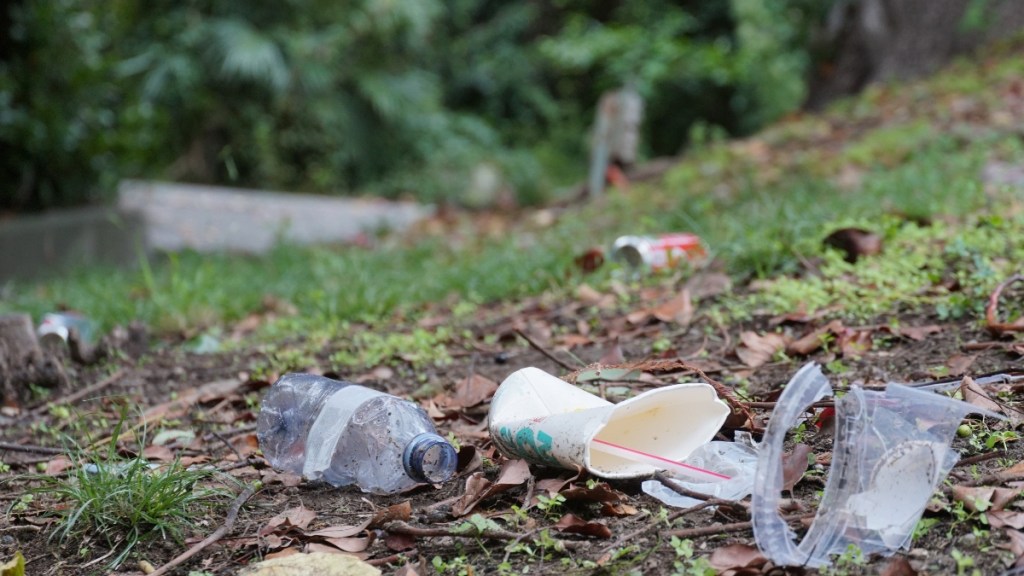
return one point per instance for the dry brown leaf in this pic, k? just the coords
(974, 498)
(854, 243)
(794, 464)
(757, 350)
(401, 511)
(601, 492)
(814, 339)
(958, 364)
(974, 394)
(410, 570)
(57, 465)
(513, 473)
(708, 285)
(246, 444)
(898, 566)
(736, 556)
(286, 479)
(679, 309)
(298, 517)
(282, 553)
(472, 391)
(399, 542)
(1003, 518)
(571, 524)
(158, 453)
(216, 390)
(469, 459)
(612, 355)
(350, 544)
(618, 509)
(854, 343)
(1016, 546)
(326, 550)
(591, 297)
(918, 333)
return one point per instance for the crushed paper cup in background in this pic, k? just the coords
(545, 420)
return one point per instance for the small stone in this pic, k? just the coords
(918, 558)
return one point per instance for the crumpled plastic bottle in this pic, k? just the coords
(345, 434)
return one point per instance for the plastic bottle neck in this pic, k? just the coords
(429, 458)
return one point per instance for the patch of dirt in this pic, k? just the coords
(216, 395)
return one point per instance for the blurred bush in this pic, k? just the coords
(391, 97)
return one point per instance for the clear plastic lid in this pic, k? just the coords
(429, 458)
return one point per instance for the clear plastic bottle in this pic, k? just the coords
(344, 434)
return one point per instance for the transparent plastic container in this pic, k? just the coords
(345, 434)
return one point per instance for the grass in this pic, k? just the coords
(762, 206)
(123, 501)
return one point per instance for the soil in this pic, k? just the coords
(636, 540)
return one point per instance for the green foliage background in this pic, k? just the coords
(392, 97)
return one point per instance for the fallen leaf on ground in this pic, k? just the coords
(735, 557)
(814, 339)
(401, 511)
(283, 553)
(917, 333)
(975, 395)
(600, 492)
(985, 498)
(679, 309)
(855, 343)
(298, 517)
(591, 297)
(513, 473)
(794, 464)
(757, 350)
(618, 509)
(958, 364)
(57, 465)
(1003, 518)
(319, 559)
(1016, 546)
(708, 285)
(898, 566)
(571, 524)
(472, 391)
(854, 243)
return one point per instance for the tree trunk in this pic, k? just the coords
(867, 41)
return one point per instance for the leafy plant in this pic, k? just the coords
(125, 501)
(685, 564)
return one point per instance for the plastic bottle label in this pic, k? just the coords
(326, 430)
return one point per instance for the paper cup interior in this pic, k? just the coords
(668, 422)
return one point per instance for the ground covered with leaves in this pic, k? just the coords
(146, 460)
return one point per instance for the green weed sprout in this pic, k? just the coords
(125, 501)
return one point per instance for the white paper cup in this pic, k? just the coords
(545, 420)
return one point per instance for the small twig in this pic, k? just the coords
(668, 481)
(992, 310)
(392, 558)
(79, 394)
(651, 526)
(229, 445)
(996, 477)
(31, 449)
(980, 458)
(400, 527)
(543, 351)
(727, 528)
(219, 533)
